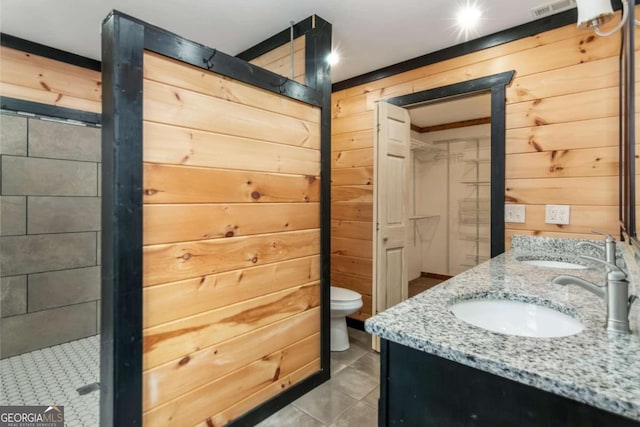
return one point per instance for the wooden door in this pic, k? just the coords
(391, 197)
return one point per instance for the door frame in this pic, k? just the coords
(496, 84)
(124, 40)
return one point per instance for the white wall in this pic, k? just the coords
(414, 245)
(440, 190)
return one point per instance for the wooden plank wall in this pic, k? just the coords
(35, 78)
(279, 60)
(231, 245)
(561, 140)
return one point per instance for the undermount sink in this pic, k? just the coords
(516, 318)
(553, 264)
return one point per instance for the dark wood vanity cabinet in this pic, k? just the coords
(418, 389)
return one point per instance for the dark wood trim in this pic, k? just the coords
(173, 46)
(498, 153)
(271, 406)
(53, 111)
(277, 40)
(631, 113)
(466, 88)
(496, 84)
(355, 324)
(383, 400)
(442, 277)
(318, 76)
(525, 30)
(121, 326)
(621, 154)
(452, 125)
(310, 59)
(627, 130)
(124, 41)
(23, 45)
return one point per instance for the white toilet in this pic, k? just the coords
(343, 303)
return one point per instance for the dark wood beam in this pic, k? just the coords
(454, 125)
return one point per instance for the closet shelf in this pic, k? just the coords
(472, 211)
(417, 217)
(474, 221)
(423, 230)
(416, 144)
(478, 161)
(472, 238)
(473, 182)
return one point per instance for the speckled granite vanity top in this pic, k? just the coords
(595, 367)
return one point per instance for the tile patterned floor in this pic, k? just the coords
(349, 399)
(51, 376)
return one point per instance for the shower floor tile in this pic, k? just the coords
(52, 376)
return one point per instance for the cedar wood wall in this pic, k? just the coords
(278, 60)
(231, 245)
(35, 78)
(561, 141)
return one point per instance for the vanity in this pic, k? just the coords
(438, 370)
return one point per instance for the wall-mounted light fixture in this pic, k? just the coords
(593, 13)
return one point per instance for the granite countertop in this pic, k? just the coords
(595, 367)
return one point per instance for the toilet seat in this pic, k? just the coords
(343, 295)
(346, 305)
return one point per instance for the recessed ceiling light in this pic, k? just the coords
(333, 58)
(468, 16)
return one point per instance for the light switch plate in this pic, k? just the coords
(514, 213)
(557, 214)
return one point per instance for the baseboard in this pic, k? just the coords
(435, 276)
(355, 324)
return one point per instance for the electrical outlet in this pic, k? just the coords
(514, 213)
(557, 214)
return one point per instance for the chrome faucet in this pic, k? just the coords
(615, 292)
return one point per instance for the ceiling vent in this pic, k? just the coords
(552, 8)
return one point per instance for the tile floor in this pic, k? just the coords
(51, 376)
(349, 399)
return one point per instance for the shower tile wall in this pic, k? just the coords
(49, 233)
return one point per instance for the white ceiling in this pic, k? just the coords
(370, 34)
(451, 111)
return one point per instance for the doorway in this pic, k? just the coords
(449, 189)
(479, 186)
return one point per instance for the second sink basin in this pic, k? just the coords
(516, 318)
